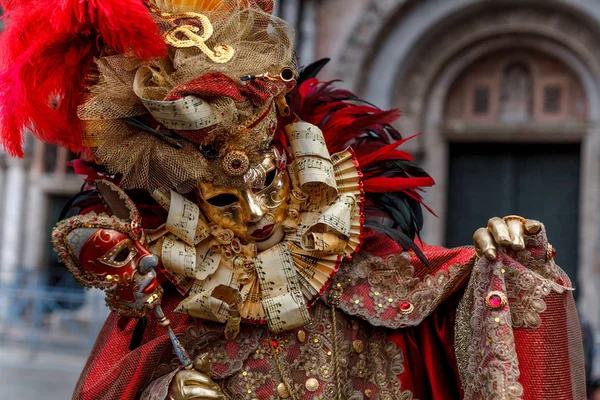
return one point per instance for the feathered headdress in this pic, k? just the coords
(47, 48)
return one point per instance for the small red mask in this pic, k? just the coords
(107, 252)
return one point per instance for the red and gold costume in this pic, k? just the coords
(270, 216)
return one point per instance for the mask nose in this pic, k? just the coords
(254, 206)
(147, 264)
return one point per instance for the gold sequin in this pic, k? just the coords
(368, 393)
(283, 391)
(358, 346)
(301, 336)
(312, 385)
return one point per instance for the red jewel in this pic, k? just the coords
(405, 305)
(95, 218)
(236, 164)
(274, 343)
(57, 235)
(495, 301)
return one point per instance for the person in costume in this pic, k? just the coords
(268, 220)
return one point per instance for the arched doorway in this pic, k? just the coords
(501, 159)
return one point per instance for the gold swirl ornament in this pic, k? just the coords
(186, 36)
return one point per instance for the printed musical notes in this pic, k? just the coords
(185, 114)
(283, 301)
(312, 164)
(306, 140)
(220, 303)
(184, 219)
(178, 257)
(313, 170)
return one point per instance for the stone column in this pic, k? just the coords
(12, 224)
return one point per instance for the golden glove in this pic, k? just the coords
(195, 384)
(503, 232)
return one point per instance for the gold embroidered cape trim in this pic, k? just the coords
(484, 339)
(392, 294)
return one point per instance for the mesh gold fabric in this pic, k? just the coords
(245, 114)
(192, 5)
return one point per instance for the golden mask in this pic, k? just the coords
(255, 211)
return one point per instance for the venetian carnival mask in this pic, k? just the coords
(107, 252)
(255, 208)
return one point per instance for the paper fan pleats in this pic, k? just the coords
(348, 180)
(314, 270)
(252, 308)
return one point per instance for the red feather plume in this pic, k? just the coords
(46, 49)
(345, 121)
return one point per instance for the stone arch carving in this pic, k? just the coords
(376, 15)
(516, 98)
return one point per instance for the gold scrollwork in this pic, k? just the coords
(186, 36)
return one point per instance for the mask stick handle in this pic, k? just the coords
(183, 356)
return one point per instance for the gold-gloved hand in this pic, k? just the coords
(503, 232)
(195, 384)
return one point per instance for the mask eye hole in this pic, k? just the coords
(122, 255)
(223, 200)
(269, 179)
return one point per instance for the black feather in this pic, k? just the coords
(311, 70)
(399, 237)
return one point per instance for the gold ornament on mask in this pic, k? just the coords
(236, 163)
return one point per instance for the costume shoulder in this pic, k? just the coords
(393, 288)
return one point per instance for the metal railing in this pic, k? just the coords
(37, 316)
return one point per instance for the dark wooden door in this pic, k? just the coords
(537, 181)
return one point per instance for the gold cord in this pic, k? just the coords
(281, 374)
(335, 354)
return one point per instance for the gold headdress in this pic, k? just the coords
(164, 123)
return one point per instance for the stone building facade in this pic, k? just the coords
(506, 94)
